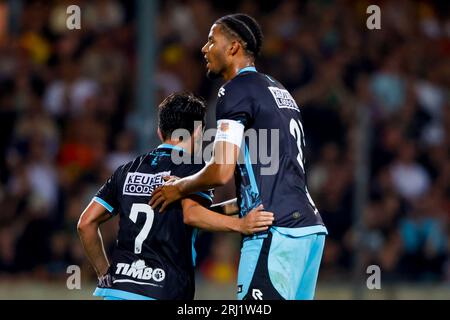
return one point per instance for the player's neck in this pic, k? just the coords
(233, 71)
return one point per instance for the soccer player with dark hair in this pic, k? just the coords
(283, 262)
(154, 256)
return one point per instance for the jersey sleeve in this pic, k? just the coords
(107, 194)
(235, 103)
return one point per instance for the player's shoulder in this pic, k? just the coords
(131, 165)
(248, 82)
(235, 88)
(174, 159)
(136, 162)
(245, 79)
(268, 80)
(187, 169)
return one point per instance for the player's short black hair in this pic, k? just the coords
(179, 111)
(246, 28)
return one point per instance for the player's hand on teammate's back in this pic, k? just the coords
(256, 220)
(166, 194)
(170, 179)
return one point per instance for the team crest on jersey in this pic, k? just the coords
(143, 184)
(283, 98)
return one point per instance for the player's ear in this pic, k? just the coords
(234, 47)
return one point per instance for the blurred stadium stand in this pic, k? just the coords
(67, 120)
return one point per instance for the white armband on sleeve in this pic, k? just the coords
(230, 131)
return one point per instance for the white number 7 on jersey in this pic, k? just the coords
(150, 215)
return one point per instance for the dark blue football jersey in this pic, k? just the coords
(272, 119)
(154, 255)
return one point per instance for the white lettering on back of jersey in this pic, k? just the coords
(143, 184)
(138, 270)
(283, 99)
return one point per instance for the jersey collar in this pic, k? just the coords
(170, 146)
(247, 69)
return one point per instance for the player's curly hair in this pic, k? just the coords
(246, 29)
(179, 111)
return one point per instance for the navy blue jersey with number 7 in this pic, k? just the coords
(271, 168)
(154, 256)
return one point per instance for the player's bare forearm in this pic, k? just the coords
(94, 249)
(228, 207)
(198, 216)
(211, 176)
(90, 236)
(217, 172)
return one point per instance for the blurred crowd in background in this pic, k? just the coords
(67, 97)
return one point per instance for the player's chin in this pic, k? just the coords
(212, 74)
